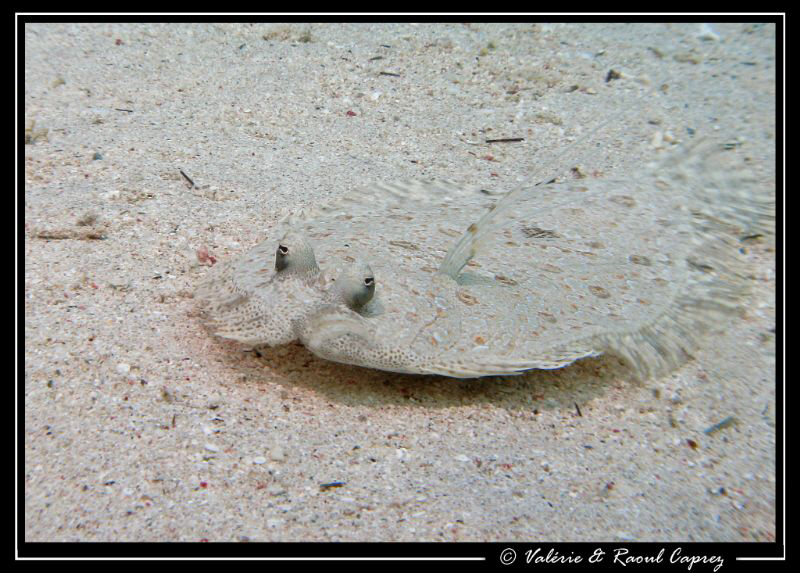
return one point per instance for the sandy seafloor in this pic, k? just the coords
(139, 426)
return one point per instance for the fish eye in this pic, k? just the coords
(369, 281)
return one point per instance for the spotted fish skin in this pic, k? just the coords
(639, 267)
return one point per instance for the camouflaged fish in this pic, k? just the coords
(434, 278)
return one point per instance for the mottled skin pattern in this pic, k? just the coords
(464, 285)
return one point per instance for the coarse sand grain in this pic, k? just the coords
(154, 151)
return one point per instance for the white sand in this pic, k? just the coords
(141, 427)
